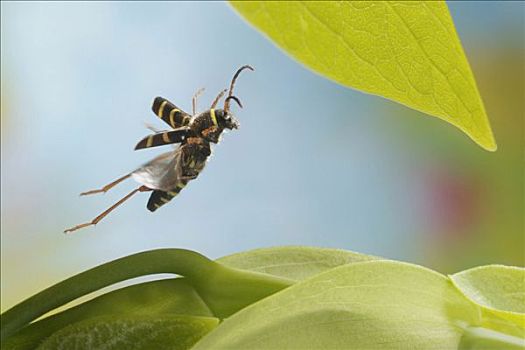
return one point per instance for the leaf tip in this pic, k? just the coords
(488, 143)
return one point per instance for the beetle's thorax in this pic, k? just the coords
(208, 125)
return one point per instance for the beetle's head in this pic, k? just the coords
(226, 120)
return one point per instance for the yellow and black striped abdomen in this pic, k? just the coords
(159, 198)
(169, 113)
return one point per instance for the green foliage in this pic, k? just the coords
(284, 297)
(209, 288)
(495, 287)
(356, 306)
(294, 263)
(405, 51)
(500, 293)
(157, 298)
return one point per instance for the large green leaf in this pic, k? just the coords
(132, 332)
(405, 51)
(293, 262)
(368, 305)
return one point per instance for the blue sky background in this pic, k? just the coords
(314, 163)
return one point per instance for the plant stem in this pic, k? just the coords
(478, 338)
(205, 274)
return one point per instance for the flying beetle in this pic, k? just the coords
(167, 174)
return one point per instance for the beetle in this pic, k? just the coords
(167, 174)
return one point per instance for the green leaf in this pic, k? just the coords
(293, 262)
(368, 305)
(408, 52)
(496, 287)
(500, 292)
(132, 332)
(170, 296)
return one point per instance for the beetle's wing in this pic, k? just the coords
(169, 113)
(164, 138)
(161, 173)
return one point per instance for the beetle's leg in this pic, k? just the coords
(214, 103)
(107, 187)
(152, 128)
(194, 99)
(109, 210)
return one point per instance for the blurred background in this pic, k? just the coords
(314, 163)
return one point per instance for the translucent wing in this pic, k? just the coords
(161, 173)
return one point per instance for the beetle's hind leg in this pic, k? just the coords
(107, 187)
(109, 210)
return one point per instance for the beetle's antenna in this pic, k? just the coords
(235, 98)
(230, 93)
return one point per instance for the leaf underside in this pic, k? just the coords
(408, 52)
(293, 262)
(131, 332)
(500, 292)
(368, 305)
